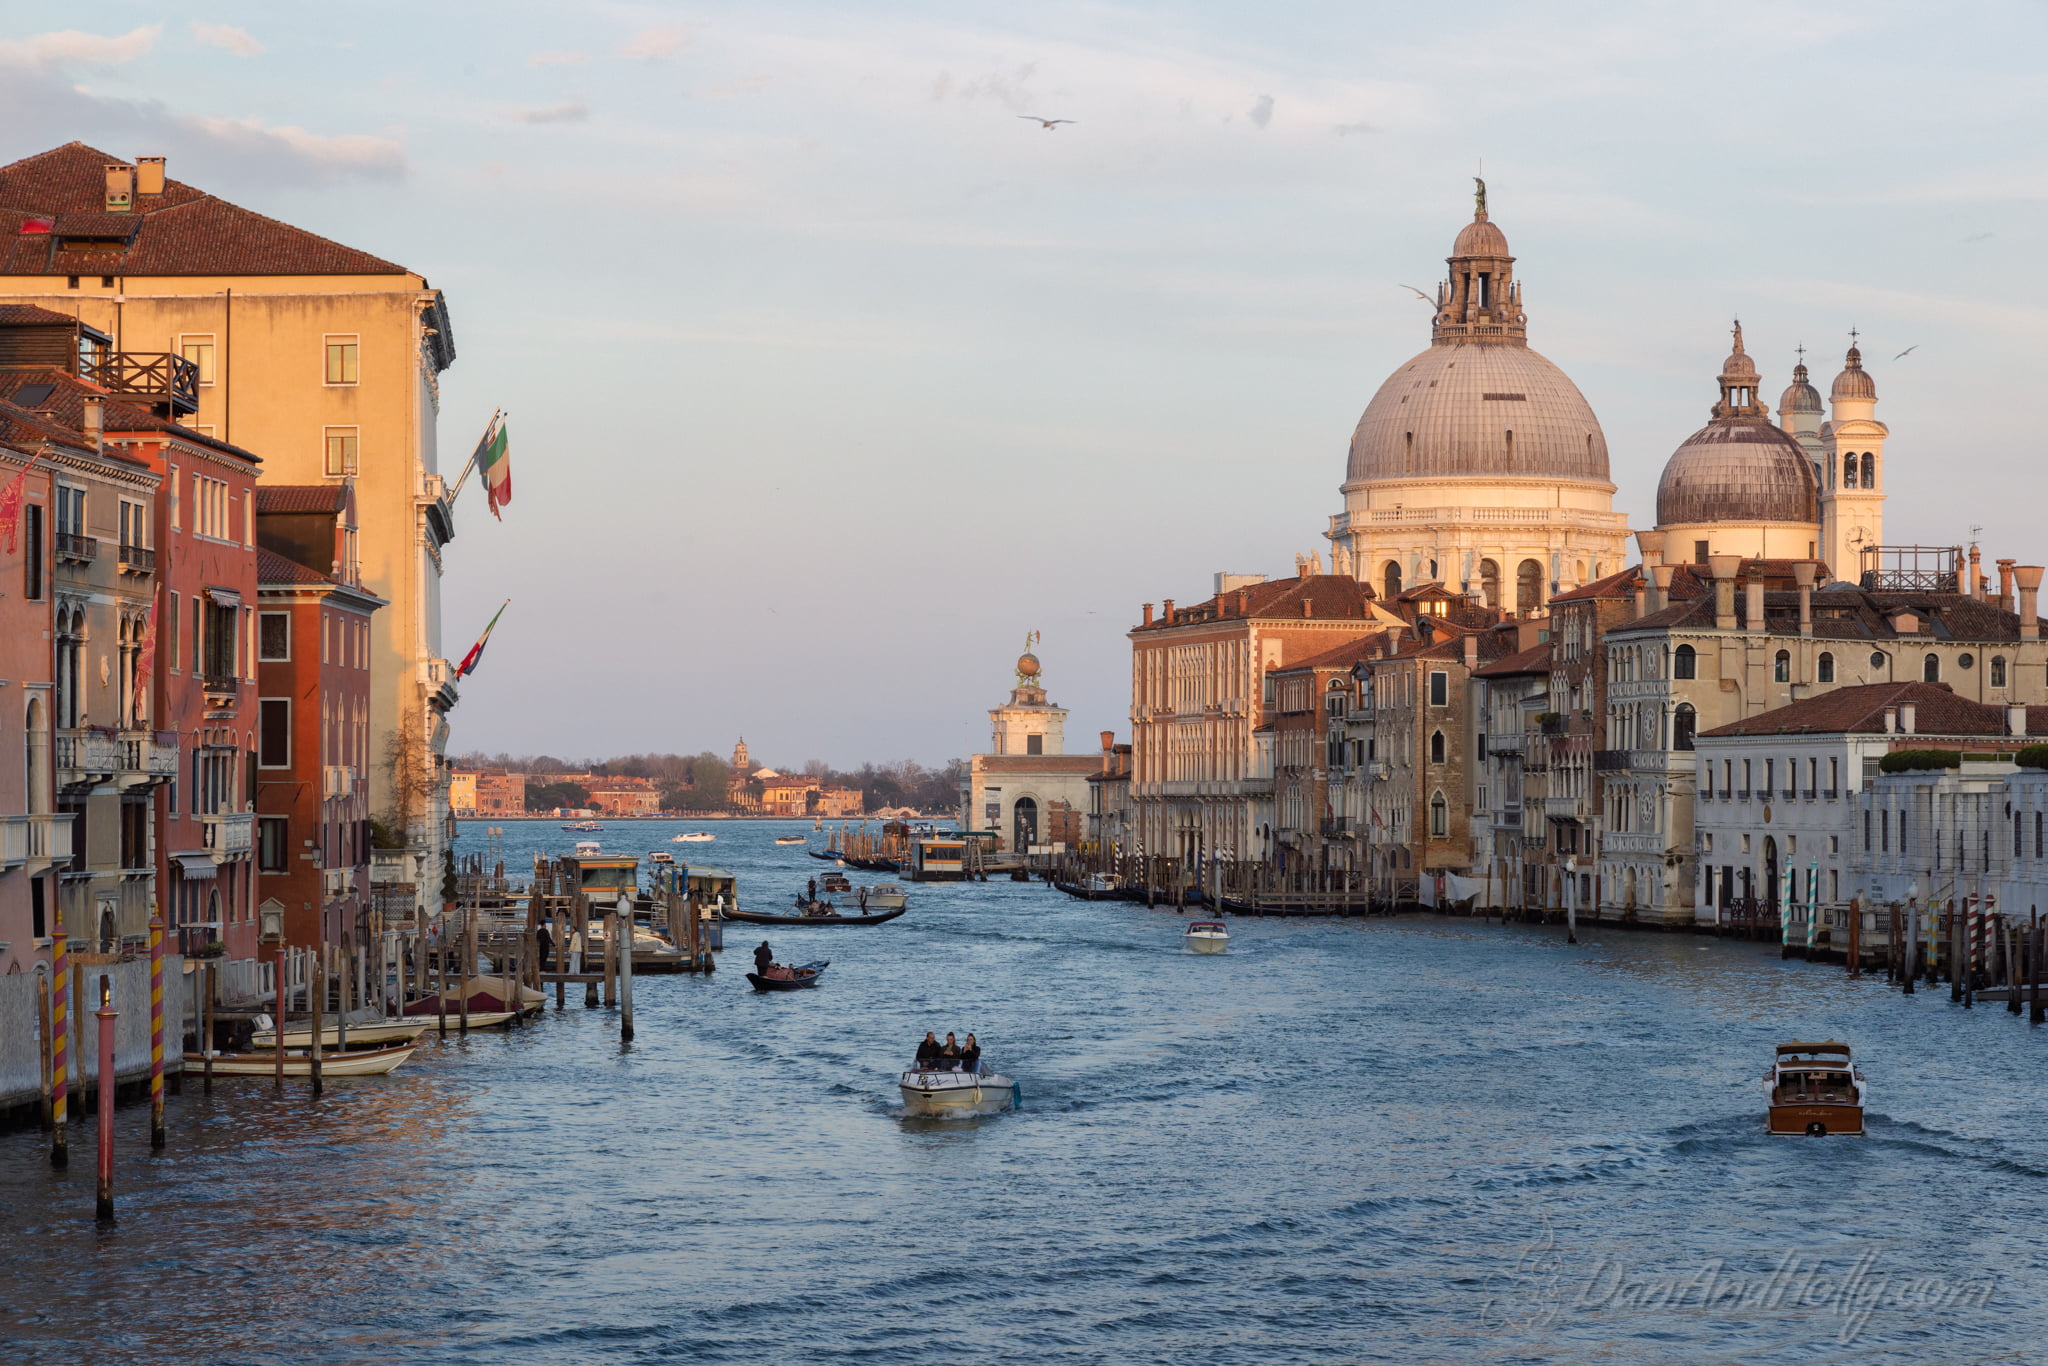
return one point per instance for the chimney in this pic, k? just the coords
(1244, 602)
(91, 424)
(1803, 572)
(2028, 577)
(1642, 599)
(1753, 601)
(1976, 577)
(1661, 575)
(1471, 652)
(2005, 585)
(1908, 714)
(1108, 750)
(1308, 607)
(1891, 720)
(2016, 719)
(1652, 543)
(120, 187)
(1724, 567)
(1166, 610)
(149, 175)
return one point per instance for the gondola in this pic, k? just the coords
(757, 918)
(801, 976)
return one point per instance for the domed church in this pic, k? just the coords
(1478, 464)
(1797, 489)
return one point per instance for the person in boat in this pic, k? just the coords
(764, 958)
(546, 942)
(863, 901)
(949, 1055)
(970, 1055)
(811, 890)
(928, 1051)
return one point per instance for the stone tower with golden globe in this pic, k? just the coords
(1027, 723)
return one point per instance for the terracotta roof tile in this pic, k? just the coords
(1338, 657)
(290, 498)
(28, 315)
(272, 567)
(66, 403)
(1937, 712)
(1534, 660)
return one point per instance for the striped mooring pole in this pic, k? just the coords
(60, 1041)
(156, 1029)
(104, 1210)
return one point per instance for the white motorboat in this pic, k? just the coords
(791, 839)
(368, 1062)
(372, 1030)
(661, 856)
(887, 896)
(1207, 936)
(980, 1092)
(692, 837)
(652, 951)
(587, 849)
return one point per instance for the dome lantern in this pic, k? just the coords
(1480, 301)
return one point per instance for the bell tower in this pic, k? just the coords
(1852, 491)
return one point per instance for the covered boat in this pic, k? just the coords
(789, 978)
(791, 839)
(489, 1004)
(1814, 1089)
(887, 896)
(940, 1092)
(1207, 936)
(298, 1062)
(364, 1027)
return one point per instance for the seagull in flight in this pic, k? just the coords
(1047, 124)
(1420, 295)
(1907, 352)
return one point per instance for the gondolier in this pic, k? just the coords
(764, 957)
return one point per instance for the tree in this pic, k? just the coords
(548, 796)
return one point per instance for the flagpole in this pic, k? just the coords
(497, 416)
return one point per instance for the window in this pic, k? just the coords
(32, 551)
(273, 844)
(1869, 469)
(1770, 776)
(1746, 771)
(1930, 668)
(274, 733)
(1824, 667)
(341, 360)
(1684, 724)
(341, 451)
(274, 637)
(1034, 744)
(1439, 689)
(1699, 552)
(134, 526)
(199, 350)
(1727, 777)
(1834, 776)
(198, 630)
(1684, 662)
(210, 508)
(1998, 671)
(1966, 660)
(215, 654)
(1877, 659)
(1884, 832)
(171, 487)
(1439, 817)
(1781, 667)
(1436, 745)
(70, 510)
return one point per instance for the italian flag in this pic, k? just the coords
(476, 651)
(494, 462)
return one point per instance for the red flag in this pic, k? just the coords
(10, 502)
(145, 660)
(38, 226)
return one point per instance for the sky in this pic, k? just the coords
(830, 376)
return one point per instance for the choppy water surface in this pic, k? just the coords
(1407, 1141)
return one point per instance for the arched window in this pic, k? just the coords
(1439, 817)
(1684, 663)
(1489, 583)
(1849, 470)
(1869, 470)
(1930, 668)
(1436, 747)
(1390, 580)
(1877, 659)
(1684, 725)
(1781, 667)
(1998, 671)
(1824, 667)
(1528, 587)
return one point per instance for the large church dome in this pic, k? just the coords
(1478, 409)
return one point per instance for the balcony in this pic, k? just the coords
(1336, 827)
(69, 545)
(149, 754)
(86, 758)
(228, 836)
(437, 676)
(34, 840)
(155, 375)
(221, 689)
(137, 560)
(1611, 760)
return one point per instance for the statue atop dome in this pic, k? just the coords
(1028, 666)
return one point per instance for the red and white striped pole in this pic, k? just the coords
(278, 1060)
(105, 1209)
(60, 1045)
(156, 1030)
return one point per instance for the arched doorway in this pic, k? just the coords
(1024, 825)
(1390, 581)
(1771, 888)
(1528, 587)
(38, 735)
(1489, 583)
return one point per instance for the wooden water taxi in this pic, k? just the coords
(1207, 936)
(299, 1033)
(298, 1062)
(1814, 1089)
(938, 1092)
(791, 839)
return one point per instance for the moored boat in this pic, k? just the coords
(692, 837)
(980, 1092)
(488, 1003)
(829, 916)
(300, 1034)
(298, 1062)
(791, 839)
(887, 896)
(583, 827)
(1207, 936)
(661, 856)
(1814, 1089)
(789, 978)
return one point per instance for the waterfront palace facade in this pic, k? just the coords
(1489, 699)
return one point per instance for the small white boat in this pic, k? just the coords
(661, 856)
(887, 896)
(1207, 936)
(375, 1031)
(791, 839)
(692, 837)
(367, 1062)
(980, 1092)
(587, 849)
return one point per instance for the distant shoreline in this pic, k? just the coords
(828, 820)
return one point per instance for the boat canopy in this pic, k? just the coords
(1829, 1047)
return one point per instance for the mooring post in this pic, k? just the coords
(623, 923)
(206, 1024)
(283, 972)
(60, 1046)
(156, 1029)
(43, 1038)
(105, 1209)
(318, 1002)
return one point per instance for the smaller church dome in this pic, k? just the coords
(1737, 470)
(1480, 238)
(1854, 382)
(1800, 396)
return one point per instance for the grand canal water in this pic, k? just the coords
(1413, 1140)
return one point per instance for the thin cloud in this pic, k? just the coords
(235, 40)
(1345, 130)
(331, 157)
(540, 59)
(1261, 111)
(655, 43)
(553, 113)
(72, 47)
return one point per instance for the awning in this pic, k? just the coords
(197, 864)
(224, 597)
